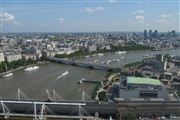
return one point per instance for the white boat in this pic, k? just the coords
(100, 54)
(65, 73)
(94, 55)
(147, 55)
(8, 74)
(109, 61)
(122, 58)
(96, 61)
(31, 68)
(103, 62)
(121, 52)
(87, 56)
(81, 81)
(116, 60)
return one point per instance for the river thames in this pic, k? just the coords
(34, 84)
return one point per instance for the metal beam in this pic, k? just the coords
(5, 109)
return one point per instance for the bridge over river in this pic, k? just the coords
(80, 64)
(86, 110)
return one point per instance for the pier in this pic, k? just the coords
(89, 81)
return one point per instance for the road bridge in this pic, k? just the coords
(80, 64)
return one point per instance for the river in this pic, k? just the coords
(129, 57)
(34, 84)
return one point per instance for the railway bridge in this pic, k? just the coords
(39, 110)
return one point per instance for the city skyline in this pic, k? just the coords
(89, 15)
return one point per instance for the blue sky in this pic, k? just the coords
(89, 15)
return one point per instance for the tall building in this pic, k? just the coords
(173, 33)
(150, 34)
(155, 33)
(145, 34)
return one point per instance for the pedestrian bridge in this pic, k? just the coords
(60, 109)
(39, 110)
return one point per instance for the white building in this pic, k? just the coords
(13, 56)
(92, 48)
(1, 57)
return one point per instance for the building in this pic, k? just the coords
(92, 48)
(30, 54)
(138, 87)
(1, 57)
(145, 34)
(13, 56)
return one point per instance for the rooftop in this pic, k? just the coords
(140, 80)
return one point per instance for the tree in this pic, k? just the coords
(129, 116)
(102, 96)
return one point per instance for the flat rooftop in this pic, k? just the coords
(140, 80)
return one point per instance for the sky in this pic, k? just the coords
(89, 15)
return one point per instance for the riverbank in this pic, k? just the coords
(79, 54)
(100, 91)
(23, 67)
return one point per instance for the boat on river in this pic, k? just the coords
(100, 54)
(7, 74)
(33, 68)
(81, 81)
(121, 52)
(65, 73)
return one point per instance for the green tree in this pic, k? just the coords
(129, 116)
(102, 96)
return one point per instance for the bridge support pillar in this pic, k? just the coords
(83, 96)
(35, 112)
(80, 114)
(54, 94)
(5, 110)
(19, 94)
(41, 116)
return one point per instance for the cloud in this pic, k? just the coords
(164, 16)
(6, 17)
(112, 1)
(16, 23)
(138, 12)
(61, 20)
(162, 21)
(115, 23)
(92, 10)
(140, 18)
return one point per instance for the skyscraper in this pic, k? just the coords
(145, 34)
(150, 34)
(155, 33)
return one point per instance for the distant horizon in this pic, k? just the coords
(89, 15)
(95, 32)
